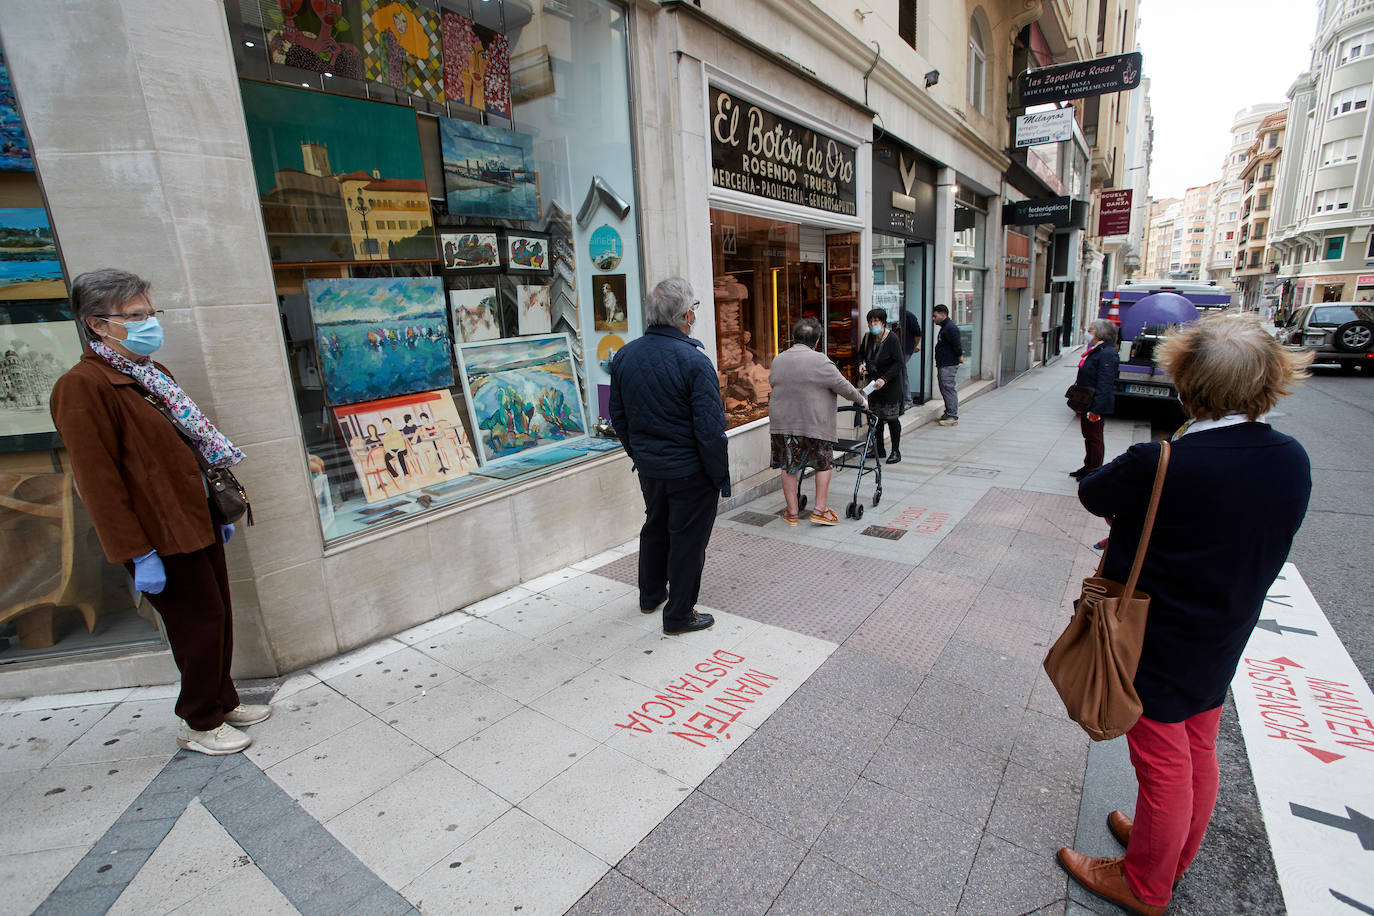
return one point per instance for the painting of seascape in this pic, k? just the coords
(487, 172)
(522, 393)
(29, 268)
(381, 337)
(15, 155)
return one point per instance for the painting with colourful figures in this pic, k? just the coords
(522, 393)
(380, 337)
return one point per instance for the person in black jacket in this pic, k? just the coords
(1097, 370)
(1215, 550)
(949, 353)
(666, 408)
(911, 342)
(880, 364)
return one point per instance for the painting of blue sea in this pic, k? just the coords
(522, 393)
(14, 142)
(382, 337)
(28, 258)
(487, 172)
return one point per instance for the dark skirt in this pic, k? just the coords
(792, 454)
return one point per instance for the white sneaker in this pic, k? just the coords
(216, 742)
(949, 421)
(243, 715)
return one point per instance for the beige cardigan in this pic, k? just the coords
(805, 383)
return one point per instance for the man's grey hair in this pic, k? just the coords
(1104, 330)
(669, 303)
(103, 292)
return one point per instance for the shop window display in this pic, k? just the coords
(969, 276)
(449, 195)
(58, 594)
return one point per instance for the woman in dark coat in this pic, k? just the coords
(880, 364)
(141, 483)
(1097, 370)
(1215, 551)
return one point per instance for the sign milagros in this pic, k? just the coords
(1080, 80)
(758, 152)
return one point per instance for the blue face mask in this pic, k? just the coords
(145, 337)
(876, 329)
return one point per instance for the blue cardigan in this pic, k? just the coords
(666, 408)
(1220, 538)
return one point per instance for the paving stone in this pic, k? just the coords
(520, 753)
(143, 729)
(1030, 575)
(836, 730)
(867, 678)
(782, 786)
(617, 895)
(1026, 642)
(1037, 812)
(996, 675)
(1054, 745)
(301, 721)
(933, 769)
(75, 805)
(1008, 881)
(29, 877)
(909, 848)
(707, 858)
(965, 715)
(820, 887)
(441, 717)
(392, 679)
(31, 739)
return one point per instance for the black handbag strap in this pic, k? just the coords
(1143, 547)
(162, 409)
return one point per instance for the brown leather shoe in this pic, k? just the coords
(1120, 825)
(1104, 878)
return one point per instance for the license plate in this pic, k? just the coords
(1149, 391)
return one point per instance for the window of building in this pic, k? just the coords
(1356, 47)
(1332, 199)
(448, 322)
(1272, 140)
(1338, 151)
(1230, 235)
(906, 21)
(1259, 230)
(1335, 248)
(1349, 100)
(1263, 202)
(977, 65)
(1369, 252)
(1266, 171)
(1255, 259)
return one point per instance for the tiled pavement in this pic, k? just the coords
(895, 750)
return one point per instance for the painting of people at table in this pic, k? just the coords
(476, 65)
(403, 444)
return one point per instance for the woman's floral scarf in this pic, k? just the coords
(212, 444)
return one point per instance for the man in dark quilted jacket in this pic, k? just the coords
(666, 408)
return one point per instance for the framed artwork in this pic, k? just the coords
(29, 268)
(401, 47)
(470, 250)
(526, 253)
(474, 314)
(33, 355)
(605, 248)
(381, 337)
(609, 304)
(15, 154)
(841, 257)
(488, 172)
(322, 36)
(534, 314)
(476, 64)
(522, 393)
(406, 443)
(605, 352)
(340, 179)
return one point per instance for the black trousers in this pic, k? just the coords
(1092, 441)
(678, 516)
(196, 613)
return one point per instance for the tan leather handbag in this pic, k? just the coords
(1093, 662)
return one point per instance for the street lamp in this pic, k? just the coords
(361, 207)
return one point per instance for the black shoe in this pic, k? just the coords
(657, 606)
(1078, 474)
(894, 458)
(698, 622)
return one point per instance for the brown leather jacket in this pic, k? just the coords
(138, 478)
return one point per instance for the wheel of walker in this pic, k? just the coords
(849, 511)
(859, 510)
(877, 498)
(801, 502)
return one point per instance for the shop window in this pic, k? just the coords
(58, 594)
(449, 198)
(969, 275)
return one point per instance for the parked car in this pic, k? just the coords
(1336, 332)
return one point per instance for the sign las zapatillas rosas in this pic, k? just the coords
(1080, 80)
(758, 152)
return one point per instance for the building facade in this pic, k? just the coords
(1255, 273)
(507, 180)
(1224, 208)
(1320, 231)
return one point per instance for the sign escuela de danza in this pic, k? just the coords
(758, 152)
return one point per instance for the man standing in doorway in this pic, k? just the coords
(911, 343)
(949, 354)
(666, 408)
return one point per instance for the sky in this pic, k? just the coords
(1206, 60)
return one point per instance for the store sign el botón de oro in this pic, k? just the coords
(758, 152)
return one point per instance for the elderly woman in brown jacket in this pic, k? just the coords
(142, 485)
(801, 415)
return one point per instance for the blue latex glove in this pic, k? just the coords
(149, 575)
(225, 533)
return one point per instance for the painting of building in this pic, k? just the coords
(33, 355)
(340, 179)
